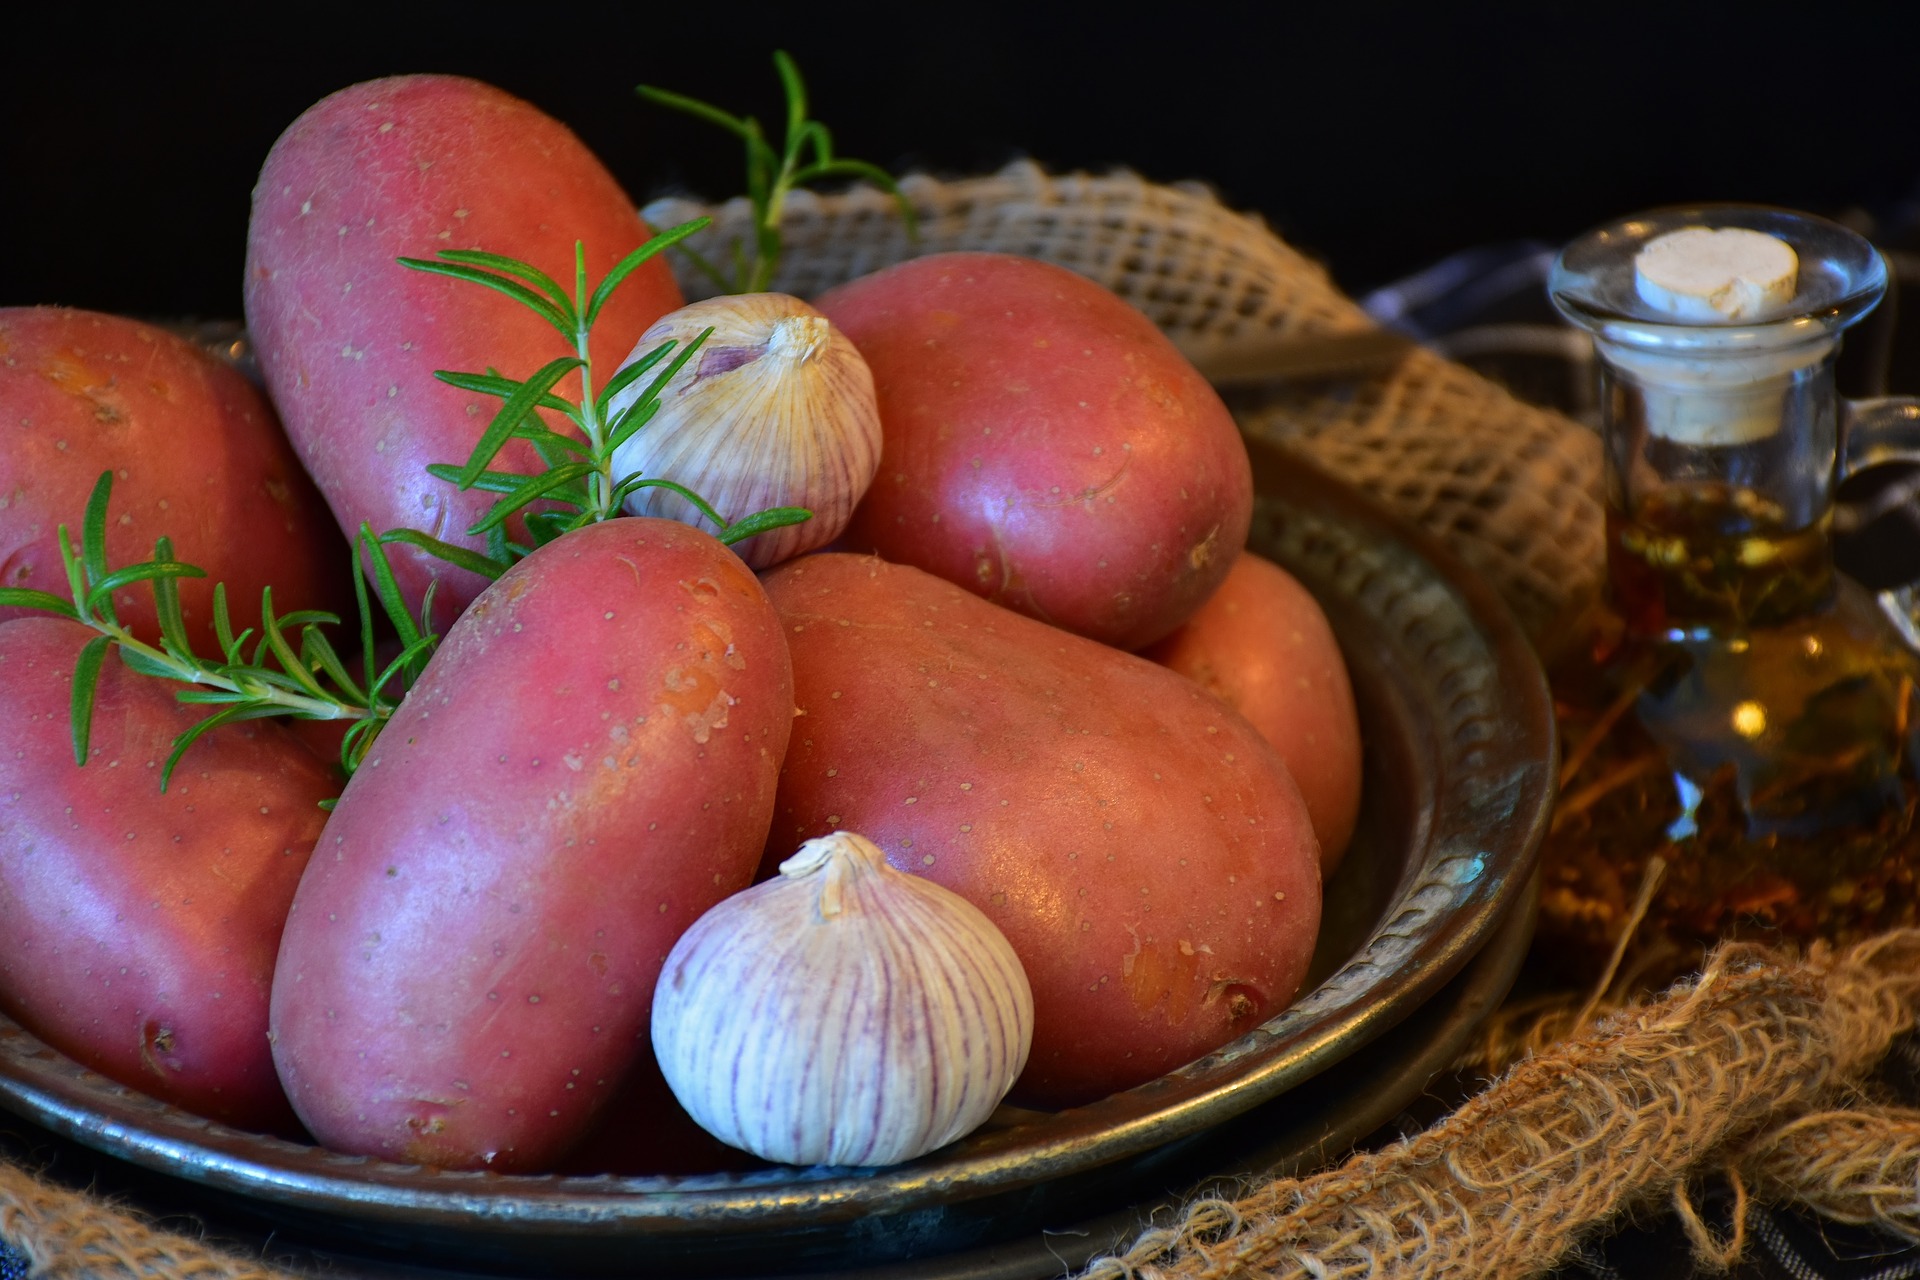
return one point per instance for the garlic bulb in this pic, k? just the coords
(842, 1012)
(776, 409)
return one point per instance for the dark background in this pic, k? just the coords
(1377, 137)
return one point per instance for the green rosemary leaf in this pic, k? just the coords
(693, 107)
(136, 661)
(636, 482)
(243, 711)
(632, 485)
(796, 91)
(276, 638)
(28, 598)
(512, 412)
(534, 487)
(223, 622)
(86, 685)
(308, 617)
(553, 448)
(427, 633)
(384, 586)
(195, 695)
(407, 655)
(104, 587)
(93, 531)
(498, 548)
(631, 419)
(258, 674)
(239, 647)
(460, 557)
(540, 306)
(353, 747)
(633, 261)
(492, 384)
(76, 576)
(822, 139)
(166, 604)
(873, 173)
(93, 546)
(545, 526)
(485, 482)
(631, 373)
(318, 654)
(580, 283)
(512, 267)
(362, 604)
(761, 522)
(643, 408)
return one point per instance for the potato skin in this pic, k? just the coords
(1044, 445)
(586, 766)
(196, 456)
(138, 929)
(349, 340)
(1262, 645)
(1140, 845)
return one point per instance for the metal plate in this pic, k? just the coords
(1459, 743)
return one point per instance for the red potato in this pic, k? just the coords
(1044, 445)
(349, 340)
(196, 454)
(586, 766)
(138, 929)
(1262, 646)
(1142, 848)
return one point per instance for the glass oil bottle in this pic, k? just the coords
(1739, 737)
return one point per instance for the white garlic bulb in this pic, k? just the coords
(776, 409)
(842, 1012)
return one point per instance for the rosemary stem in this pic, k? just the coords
(600, 483)
(194, 673)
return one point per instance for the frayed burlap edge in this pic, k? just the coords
(1743, 1068)
(76, 1235)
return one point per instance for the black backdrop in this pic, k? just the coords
(1375, 136)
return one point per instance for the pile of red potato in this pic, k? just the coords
(1037, 669)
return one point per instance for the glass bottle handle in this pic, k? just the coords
(1885, 429)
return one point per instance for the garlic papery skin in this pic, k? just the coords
(842, 1013)
(776, 409)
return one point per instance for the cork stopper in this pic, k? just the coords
(1716, 276)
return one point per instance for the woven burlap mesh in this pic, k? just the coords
(1512, 489)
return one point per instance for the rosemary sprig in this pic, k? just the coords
(806, 155)
(278, 677)
(579, 486)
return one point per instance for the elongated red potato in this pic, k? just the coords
(196, 454)
(1262, 645)
(138, 929)
(1140, 845)
(349, 340)
(1044, 445)
(586, 766)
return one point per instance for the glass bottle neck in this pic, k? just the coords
(1720, 477)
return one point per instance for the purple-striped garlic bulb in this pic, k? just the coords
(842, 1012)
(776, 409)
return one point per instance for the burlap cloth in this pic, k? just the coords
(1758, 1069)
